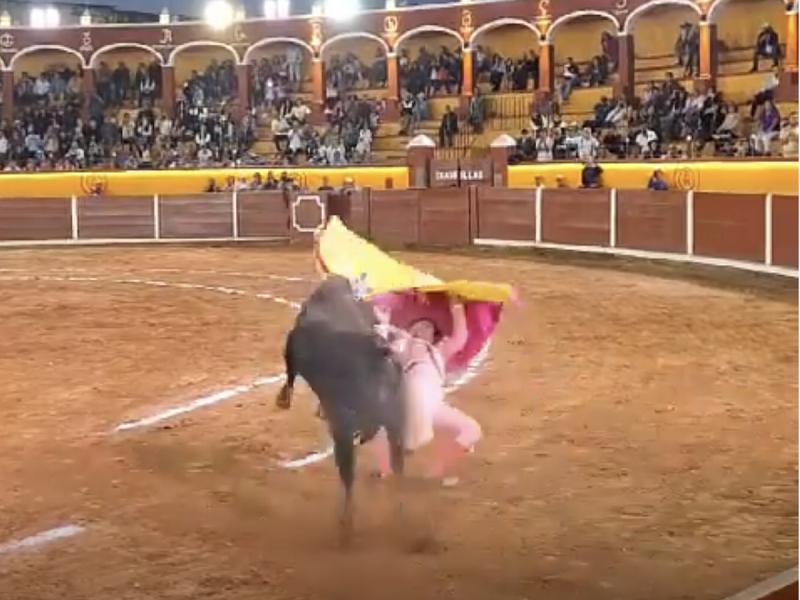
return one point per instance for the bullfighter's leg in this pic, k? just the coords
(284, 397)
(458, 433)
(344, 452)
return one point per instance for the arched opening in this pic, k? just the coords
(430, 61)
(499, 41)
(48, 77)
(205, 73)
(666, 39)
(127, 75)
(587, 40)
(278, 69)
(739, 23)
(354, 63)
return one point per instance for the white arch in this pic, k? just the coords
(55, 47)
(199, 44)
(648, 5)
(431, 29)
(718, 4)
(105, 49)
(563, 20)
(354, 35)
(502, 23)
(276, 40)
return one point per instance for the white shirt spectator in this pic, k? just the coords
(645, 140)
(3, 145)
(587, 146)
(203, 137)
(41, 87)
(300, 112)
(204, 156)
(165, 127)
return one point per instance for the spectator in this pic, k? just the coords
(647, 141)
(570, 77)
(610, 50)
(789, 137)
(544, 146)
(448, 128)
(477, 112)
(657, 182)
(408, 114)
(767, 127)
(592, 175)
(587, 146)
(687, 49)
(767, 46)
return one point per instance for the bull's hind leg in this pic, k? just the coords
(344, 452)
(284, 398)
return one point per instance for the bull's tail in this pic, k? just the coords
(284, 398)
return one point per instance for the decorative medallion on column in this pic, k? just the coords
(391, 28)
(544, 18)
(165, 44)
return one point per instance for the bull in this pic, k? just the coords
(335, 348)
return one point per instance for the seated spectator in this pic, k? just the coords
(657, 182)
(767, 46)
(448, 128)
(526, 147)
(727, 131)
(592, 175)
(587, 146)
(598, 72)
(647, 141)
(767, 127)
(789, 137)
(544, 146)
(570, 78)
(767, 92)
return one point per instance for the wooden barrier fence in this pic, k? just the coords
(752, 232)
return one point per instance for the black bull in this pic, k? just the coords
(333, 346)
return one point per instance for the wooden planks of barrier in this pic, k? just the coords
(752, 232)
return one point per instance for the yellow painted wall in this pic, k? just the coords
(580, 38)
(41, 60)
(432, 41)
(739, 21)
(512, 41)
(132, 57)
(364, 48)
(736, 177)
(197, 59)
(172, 183)
(656, 30)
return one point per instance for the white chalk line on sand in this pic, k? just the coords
(209, 400)
(271, 276)
(40, 539)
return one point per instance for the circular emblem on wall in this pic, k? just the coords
(390, 24)
(94, 184)
(684, 178)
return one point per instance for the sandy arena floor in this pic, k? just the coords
(641, 440)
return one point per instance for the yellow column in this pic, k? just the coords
(467, 85)
(790, 63)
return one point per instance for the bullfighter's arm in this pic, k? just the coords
(453, 344)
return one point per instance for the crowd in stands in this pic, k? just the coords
(124, 124)
(668, 121)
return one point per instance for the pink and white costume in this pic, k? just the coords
(429, 414)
